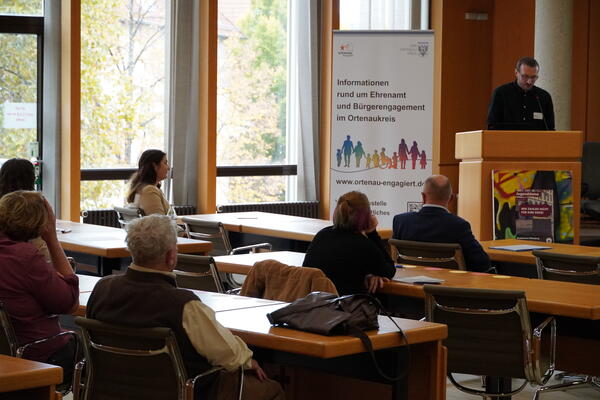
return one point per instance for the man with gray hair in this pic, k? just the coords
(147, 296)
(434, 223)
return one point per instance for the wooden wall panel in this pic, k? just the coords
(593, 84)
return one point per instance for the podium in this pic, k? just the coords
(481, 152)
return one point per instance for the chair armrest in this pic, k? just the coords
(191, 383)
(24, 347)
(538, 333)
(252, 248)
(78, 384)
(235, 291)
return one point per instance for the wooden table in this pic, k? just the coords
(570, 302)
(345, 356)
(108, 244)
(25, 379)
(241, 263)
(276, 225)
(525, 257)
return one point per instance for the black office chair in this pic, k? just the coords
(489, 334)
(133, 363)
(215, 232)
(9, 345)
(590, 165)
(444, 255)
(128, 214)
(197, 272)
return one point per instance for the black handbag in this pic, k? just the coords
(326, 314)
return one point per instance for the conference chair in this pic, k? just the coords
(133, 363)
(444, 255)
(197, 272)
(9, 345)
(590, 165)
(569, 268)
(270, 279)
(128, 214)
(489, 334)
(216, 233)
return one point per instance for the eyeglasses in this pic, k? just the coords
(528, 77)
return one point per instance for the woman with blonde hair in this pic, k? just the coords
(32, 290)
(351, 252)
(144, 186)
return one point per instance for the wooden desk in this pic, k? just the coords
(25, 379)
(345, 355)
(109, 243)
(525, 257)
(276, 225)
(570, 302)
(241, 263)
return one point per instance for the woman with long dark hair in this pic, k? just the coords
(351, 252)
(144, 185)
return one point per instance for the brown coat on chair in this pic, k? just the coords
(270, 279)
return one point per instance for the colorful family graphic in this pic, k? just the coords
(379, 158)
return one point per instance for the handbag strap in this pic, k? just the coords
(354, 331)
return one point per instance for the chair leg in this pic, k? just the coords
(565, 386)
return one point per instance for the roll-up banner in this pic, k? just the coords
(382, 118)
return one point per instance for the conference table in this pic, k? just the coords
(241, 263)
(525, 257)
(348, 370)
(26, 379)
(571, 303)
(274, 225)
(107, 245)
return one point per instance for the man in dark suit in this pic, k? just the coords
(434, 223)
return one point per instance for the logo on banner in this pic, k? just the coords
(416, 49)
(346, 49)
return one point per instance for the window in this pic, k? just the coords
(252, 100)
(384, 14)
(123, 107)
(21, 39)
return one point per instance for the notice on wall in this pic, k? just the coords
(20, 115)
(382, 118)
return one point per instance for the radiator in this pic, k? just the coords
(101, 217)
(309, 209)
(185, 210)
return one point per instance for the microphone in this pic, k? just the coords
(542, 111)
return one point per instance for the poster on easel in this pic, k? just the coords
(533, 205)
(382, 118)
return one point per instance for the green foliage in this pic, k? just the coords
(252, 100)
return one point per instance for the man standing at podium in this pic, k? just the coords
(520, 105)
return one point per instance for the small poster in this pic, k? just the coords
(533, 204)
(535, 215)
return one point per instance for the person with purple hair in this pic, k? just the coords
(351, 252)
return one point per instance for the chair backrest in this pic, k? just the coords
(567, 267)
(489, 332)
(270, 279)
(590, 165)
(197, 272)
(131, 363)
(128, 214)
(444, 255)
(8, 339)
(211, 231)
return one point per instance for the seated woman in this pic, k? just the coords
(32, 290)
(351, 252)
(19, 174)
(144, 186)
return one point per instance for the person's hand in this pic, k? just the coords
(49, 231)
(262, 376)
(374, 282)
(372, 224)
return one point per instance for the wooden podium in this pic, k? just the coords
(481, 152)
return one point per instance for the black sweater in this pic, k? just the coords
(347, 257)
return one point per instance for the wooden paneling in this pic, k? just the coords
(70, 109)
(593, 105)
(512, 38)
(207, 141)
